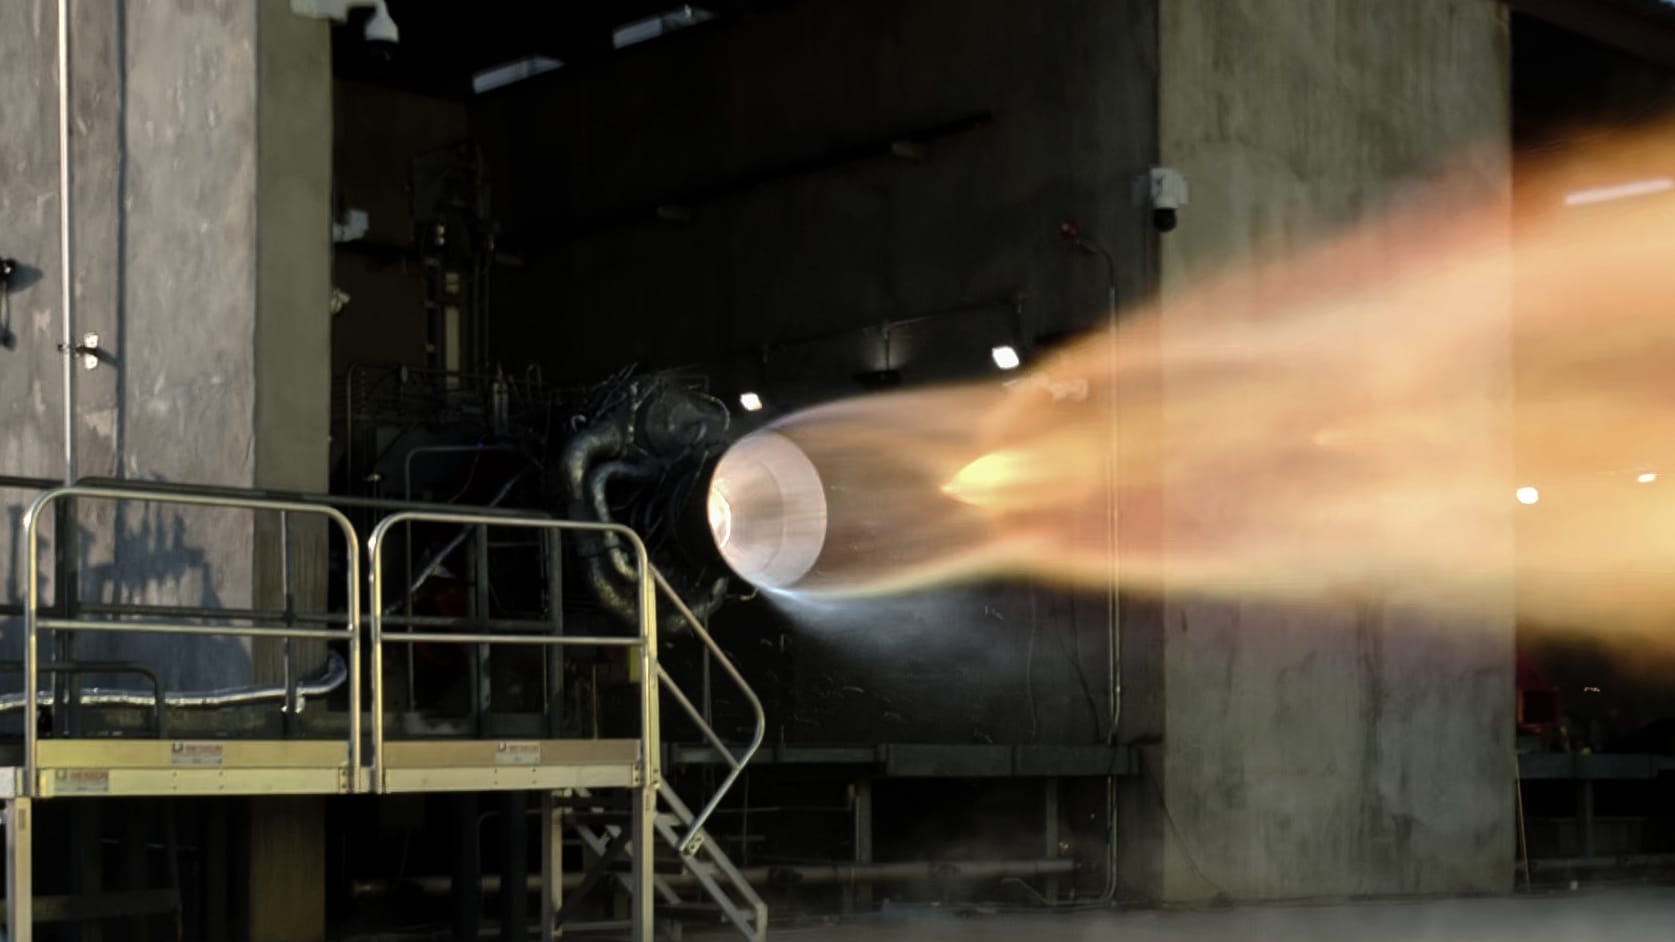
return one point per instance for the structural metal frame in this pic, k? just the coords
(63, 767)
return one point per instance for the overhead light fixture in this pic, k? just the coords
(1528, 495)
(515, 71)
(1647, 477)
(1005, 357)
(750, 401)
(651, 27)
(1619, 191)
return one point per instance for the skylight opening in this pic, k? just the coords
(651, 27)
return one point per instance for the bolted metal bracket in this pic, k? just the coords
(88, 350)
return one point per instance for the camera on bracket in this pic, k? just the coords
(1166, 192)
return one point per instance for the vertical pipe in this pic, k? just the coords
(67, 344)
(1050, 825)
(857, 895)
(65, 256)
(554, 687)
(709, 719)
(484, 689)
(1113, 644)
(289, 713)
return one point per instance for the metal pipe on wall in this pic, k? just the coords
(335, 673)
(67, 343)
(1113, 646)
(916, 871)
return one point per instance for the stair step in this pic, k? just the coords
(621, 817)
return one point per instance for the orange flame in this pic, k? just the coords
(1356, 417)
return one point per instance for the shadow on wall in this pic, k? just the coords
(140, 553)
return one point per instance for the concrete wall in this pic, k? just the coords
(1326, 747)
(170, 114)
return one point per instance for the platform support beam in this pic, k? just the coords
(552, 865)
(20, 883)
(287, 901)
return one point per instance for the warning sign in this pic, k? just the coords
(195, 753)
(517, 753)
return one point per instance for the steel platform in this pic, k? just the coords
(70, 761)
(137, 768)
(509, 765)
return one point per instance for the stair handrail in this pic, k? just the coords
(694, 837)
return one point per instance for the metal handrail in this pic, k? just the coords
(33, 622)
(693, 839)
(645, 641)
(650, 667)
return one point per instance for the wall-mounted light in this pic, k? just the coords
(1619, 191)
(750, 401)
(1005, 357)
(1528, 495)
(1647, 477)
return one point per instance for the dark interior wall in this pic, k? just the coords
(771, 137)
(378, 133)
(1571, 92)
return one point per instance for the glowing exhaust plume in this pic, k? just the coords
(1343, 421)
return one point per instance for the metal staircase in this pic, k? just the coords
(646, 844)
(728, 898)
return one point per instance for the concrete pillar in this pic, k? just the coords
(201, 159)
(1320, 746)
(201, 153)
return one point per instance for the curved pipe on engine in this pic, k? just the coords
(587, 448)
(598, 483)
(591, 460)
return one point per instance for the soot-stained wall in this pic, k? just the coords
(1318, 746)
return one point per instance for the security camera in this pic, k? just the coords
(1167, 194)
(380, 27)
